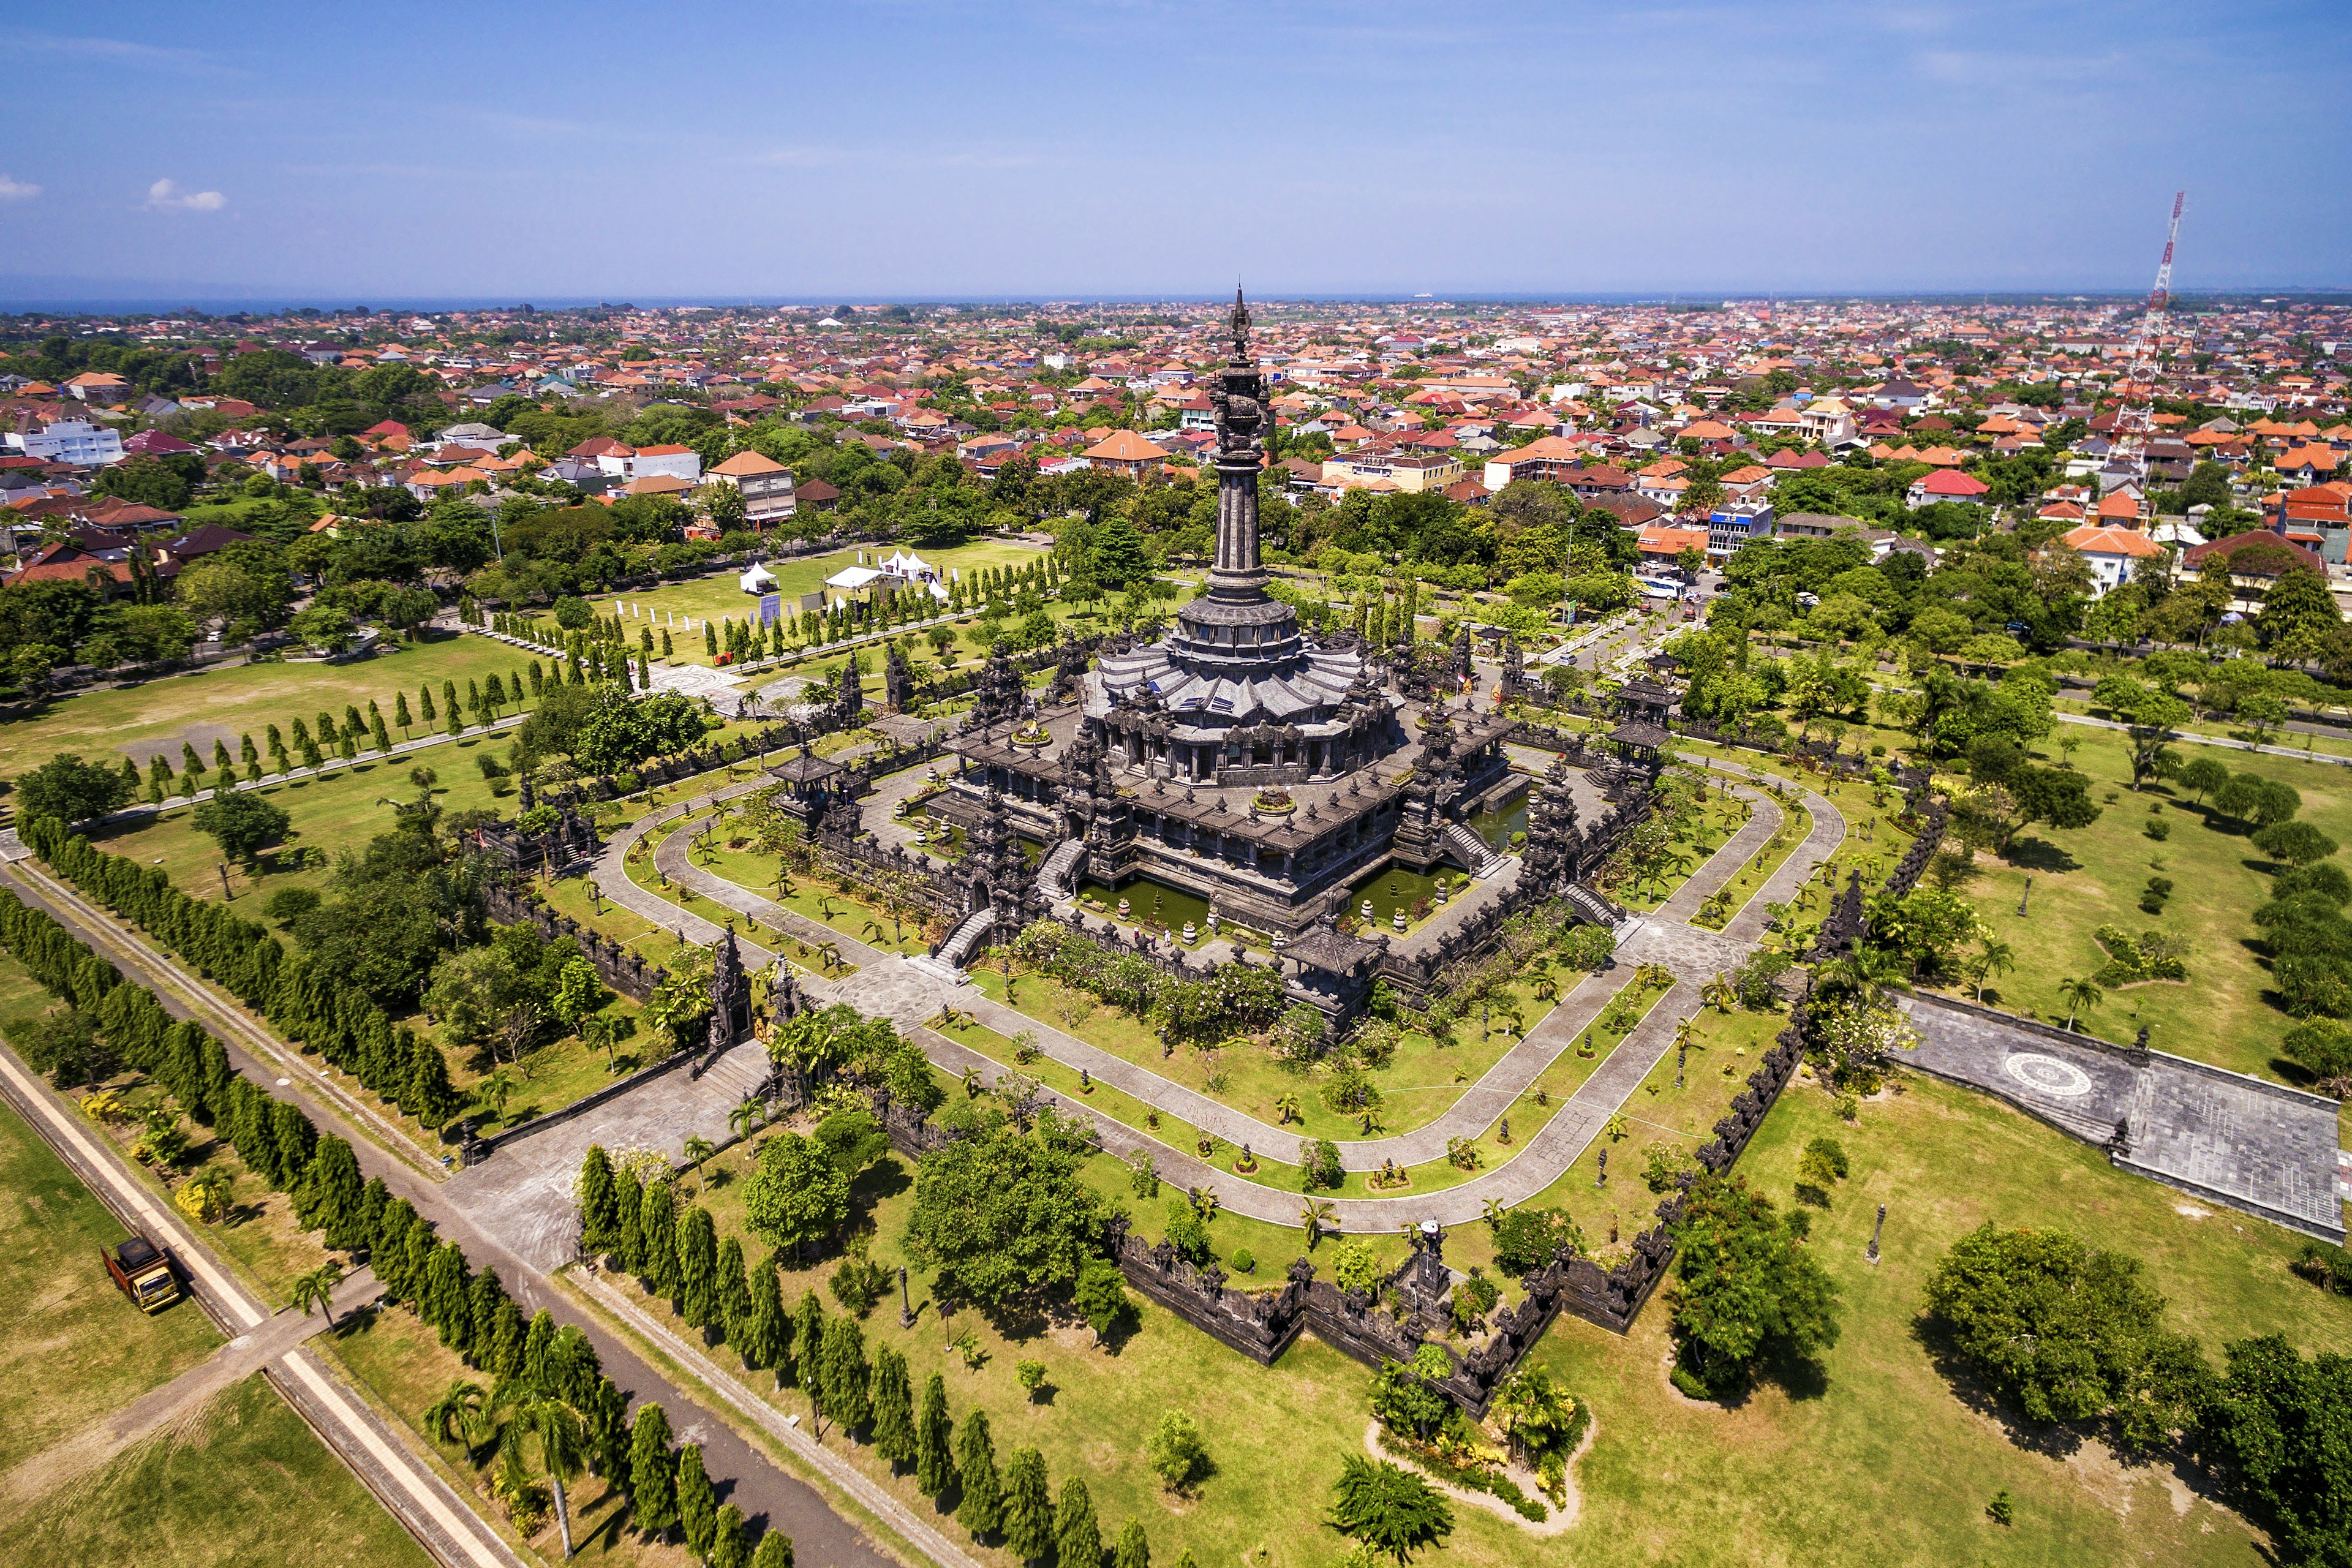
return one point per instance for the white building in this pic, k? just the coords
(68, 441)
(677, 462)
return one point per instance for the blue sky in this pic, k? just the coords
(914, 149)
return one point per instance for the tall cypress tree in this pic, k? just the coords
(893, 1408)
(845, 1373)
(599, 1223)
(483, 1300)
(658, 1219)
(333, 1190)
(698, 1505)
(734, 1293)
(982, 1511)
(503, 1353)
(629, 1229)
(653, 1472)
(432, 1098)
(934, 1434)
(808, 1341)
(535, 1344)
(775, 1551)
(1028, 1507)
(388, 1248)
(1134, 1549)
(768, 1341)
(698, 1269)
(1078, 1536)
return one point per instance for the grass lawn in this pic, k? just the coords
(140, 720)
(341, 811)
(243, 1481)
(2090, 876)
(717, 599)
(1421, 1080)
(74, 1346)
(1897, 1468)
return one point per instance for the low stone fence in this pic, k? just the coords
(621, 968)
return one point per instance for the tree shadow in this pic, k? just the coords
(2041, 855)
(2051, 1439)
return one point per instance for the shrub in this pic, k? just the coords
(1319, 1164)
(2153, 896)
(1355, 1267)
(2001, 1510)
(1029, 1375)
(2160, 829)
(290, 903)
(2152, 955)
(1186, 1234)
(1245, 1260)
(1528, 1238)
(1177, 1455)
(859, 1283)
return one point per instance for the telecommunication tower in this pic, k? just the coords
(2135, 416)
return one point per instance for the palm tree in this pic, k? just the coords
(1995, 957)
(1494, 1211)
(496, 1090)
(561, 1436)
(1313, 1215)
(748, 1118)
(460, 1415)
(1285, 1108)
(2081, 995)
(317, 1289)
(596, 1031)
(698, 1150)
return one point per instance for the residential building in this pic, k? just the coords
(766, 485)
(2112, 553)
(75, 441)
(666, 462)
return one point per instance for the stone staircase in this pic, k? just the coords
(1594, 907)
(965, 940)
(738, 1074)
(1472, 851)
(1054, 878)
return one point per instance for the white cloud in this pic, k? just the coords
(13, 189)
(163, 197)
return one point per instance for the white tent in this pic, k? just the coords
(757, 579)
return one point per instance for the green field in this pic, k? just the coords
(2090, 876)
(197, 707)
(716, 597)
(74, 1346)
(242, 1481)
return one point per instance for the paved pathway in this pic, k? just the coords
(2258, 1147)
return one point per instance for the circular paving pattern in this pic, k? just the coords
(2047, 1075)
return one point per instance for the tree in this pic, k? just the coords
(2297, 602)
(542, 1415)
(599, 1220)
(1389, 1509)
(1078, 1535)
(2200, 776)
(1134, 1549)
(1101, 1296)
(798, 1196)
(70, 790)
(317, 1288)
(2295, 843)
(2280, 1425)
(1744, 1285)
(729, 1540)
(2251, 798)
(243, 823)
(652, 1471)
(2149, 714)
(2082, 994)
(1028, 1507)
(2068, 1332)
(1003, 1215)
(698, 1269)
(1177, 1455)
(893, 1408)
(982, 1511)
(934, 1437)
(842, 1374)
(775, 1551)
(322, 629)
(698, 1505)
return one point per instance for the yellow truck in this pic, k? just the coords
(144, 1271)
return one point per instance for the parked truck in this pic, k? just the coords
(143, 1272)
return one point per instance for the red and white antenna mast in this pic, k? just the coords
(2135, 416)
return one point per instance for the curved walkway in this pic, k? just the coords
(914, 991)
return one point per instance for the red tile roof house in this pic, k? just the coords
(2112, 553)
(1944, 484)
(1124, 452)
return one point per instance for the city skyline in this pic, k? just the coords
(1147, 153)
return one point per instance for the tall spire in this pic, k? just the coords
(1238, 327)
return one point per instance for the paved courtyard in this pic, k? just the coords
(2258, 1147)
